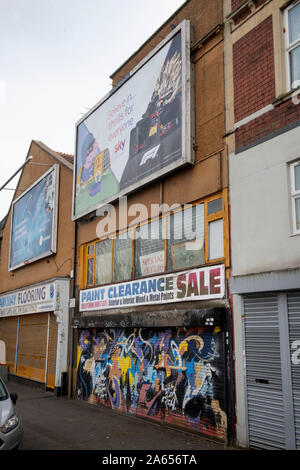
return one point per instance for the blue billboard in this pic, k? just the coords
(34, 221)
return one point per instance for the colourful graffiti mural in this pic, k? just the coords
(174, 375)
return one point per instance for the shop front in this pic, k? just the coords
(156, 348)
(34, 330)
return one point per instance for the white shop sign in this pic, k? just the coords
(33, 299)
(197, 284)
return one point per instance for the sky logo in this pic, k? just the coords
(120, 145)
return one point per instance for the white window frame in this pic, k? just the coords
(294, 195)
(289, 47)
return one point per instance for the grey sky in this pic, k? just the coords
(55, 60)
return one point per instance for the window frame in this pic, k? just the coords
(87, 257)
(222, 214)
(289, 46)
(127, 230)
(295, 194)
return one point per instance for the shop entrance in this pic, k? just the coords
(31, 346)
(170, 375)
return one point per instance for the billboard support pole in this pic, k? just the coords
(16, 172)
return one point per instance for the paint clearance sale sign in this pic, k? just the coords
(197, 284)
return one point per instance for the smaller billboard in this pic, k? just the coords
(34, 221)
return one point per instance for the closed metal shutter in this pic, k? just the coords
(170, 375)
(32, 346)
(294, 333)
(8, 334)
(263, 372)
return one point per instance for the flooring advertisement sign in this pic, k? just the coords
(33, 299)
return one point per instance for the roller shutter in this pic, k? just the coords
(294, 333)
(32, 346)
(263, 372)
(170, 375)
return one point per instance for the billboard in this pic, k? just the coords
(138, 132)
(34, 221)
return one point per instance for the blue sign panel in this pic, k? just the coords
(33, 228)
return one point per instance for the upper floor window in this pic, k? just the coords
(295, 193)
(292, 21)
(187, 237)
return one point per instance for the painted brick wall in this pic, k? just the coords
(236, 3)
(253, 70)
(282, 116)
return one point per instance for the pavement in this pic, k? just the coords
(57, 423)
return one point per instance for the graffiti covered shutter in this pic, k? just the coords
(172, 375)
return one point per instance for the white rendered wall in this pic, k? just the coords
(261, 220)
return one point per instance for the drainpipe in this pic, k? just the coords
(73, 309)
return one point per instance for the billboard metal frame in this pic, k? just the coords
(52, 251)
(187, 131)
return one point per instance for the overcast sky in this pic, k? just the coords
(56, 57)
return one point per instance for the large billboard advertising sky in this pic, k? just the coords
(136, 133)
(33, 226)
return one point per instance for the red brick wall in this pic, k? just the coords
(235, 3)
(253, 70)
(259, 3)
(283, 115)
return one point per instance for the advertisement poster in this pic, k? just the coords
(33, 228)
(134, 135)
(197, 284)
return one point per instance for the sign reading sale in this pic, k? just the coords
(197, 284)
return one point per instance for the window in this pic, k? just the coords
(150, 249)
(103, 262)
(216, 244)
(295, 193)
(90, 265)
(186, 234)
(122, 258)
(188, 237)
(292, 21)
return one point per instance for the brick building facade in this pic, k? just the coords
(262, 72)
(168, 360)
(35, 275)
